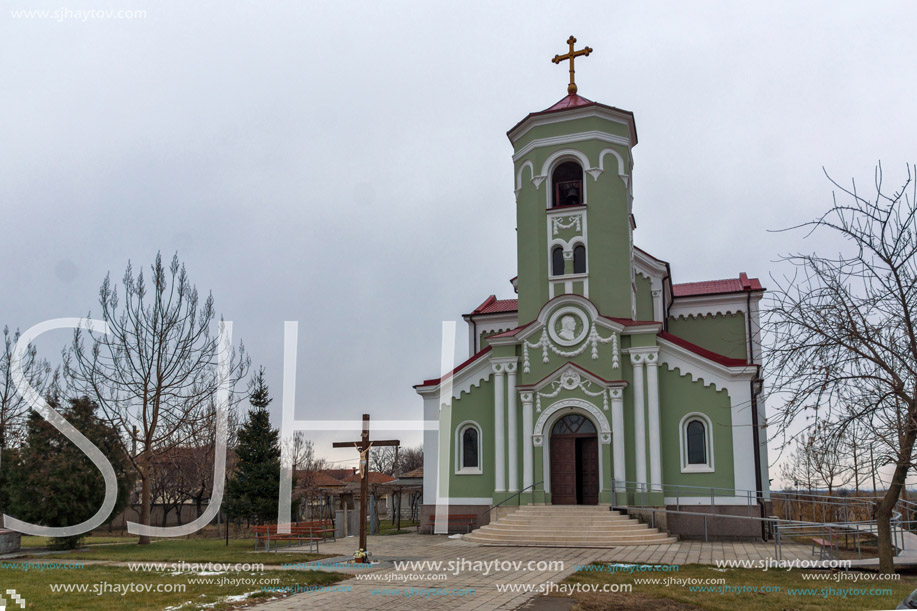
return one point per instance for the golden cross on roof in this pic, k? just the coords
(571, 88)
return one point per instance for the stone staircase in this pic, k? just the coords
(567, 526)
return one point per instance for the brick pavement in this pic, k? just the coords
(486, 596)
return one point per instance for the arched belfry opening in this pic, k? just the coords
(574, 461)
(567, 179)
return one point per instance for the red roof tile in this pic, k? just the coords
(471, 360)
(717, 287)
(574, 101)
(571, 101)
(319, 479)
(374, 478)
(707, 354)
(492, 305)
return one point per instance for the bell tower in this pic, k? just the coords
(574, 224)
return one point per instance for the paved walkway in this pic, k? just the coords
(484, 583)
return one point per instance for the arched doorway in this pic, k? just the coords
(574, 461)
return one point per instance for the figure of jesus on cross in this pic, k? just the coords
(364, 446)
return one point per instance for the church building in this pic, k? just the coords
(603, 382)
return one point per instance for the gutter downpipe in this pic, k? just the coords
(759, 487)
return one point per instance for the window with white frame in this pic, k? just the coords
(468, 449)
(696, 441)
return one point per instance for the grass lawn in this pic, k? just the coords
(646, 597)
(388, 528)
(102, 588)
(29, 541)
(189, 550)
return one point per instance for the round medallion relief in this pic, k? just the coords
(568, 326)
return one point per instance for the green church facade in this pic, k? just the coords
(602, 382)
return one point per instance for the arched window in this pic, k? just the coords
(573, 424)
(696, 443)
(579, 259)
(567, 179)
(468, 449)
(557, 261)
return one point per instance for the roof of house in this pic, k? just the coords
(413, 474)
(717, 287)
(374, 478)
(492, 305)
(325, 480)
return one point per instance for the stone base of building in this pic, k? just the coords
(714, 526)
(461, 525)
(10, 541)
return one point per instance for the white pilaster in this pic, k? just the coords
(639, 420)
(527, 462)
(652, 397)
(499, 432)
(513, 424)
(617, 437)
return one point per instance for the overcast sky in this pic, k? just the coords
(346, 164)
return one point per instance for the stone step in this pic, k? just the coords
(498, 527)
(565, 508)
(531, 518)
(568, 526)
(661, 538)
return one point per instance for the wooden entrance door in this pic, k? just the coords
(574, 462)
(563, 470)
(588, 463)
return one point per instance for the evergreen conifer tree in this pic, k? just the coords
(252, 490)
(53, 483)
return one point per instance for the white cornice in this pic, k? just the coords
(569, 115)
(569, 139)
(463, 381)
(732, 379)
(707, 305)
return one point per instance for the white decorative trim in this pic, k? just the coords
(574, 221)
(593, 340)
(460, 449)
(547, 169)
(551, 415)
(462, 382)
(525, 164)
(566, 313)
(707, 467)
(572, 138)
(610, 151)
(570, 379)
(711, 305)
(608, 114)
(598, 417)
(732, 379)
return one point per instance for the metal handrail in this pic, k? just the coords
(510, 497)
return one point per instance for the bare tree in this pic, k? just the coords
(155, 373)
(382, 459)
(13, 407)
(844, 337)
(410, 459)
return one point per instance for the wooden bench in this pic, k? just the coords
(312, 532)
(460, 519)
(828, 545)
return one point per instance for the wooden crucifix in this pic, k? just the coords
(363, 446)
